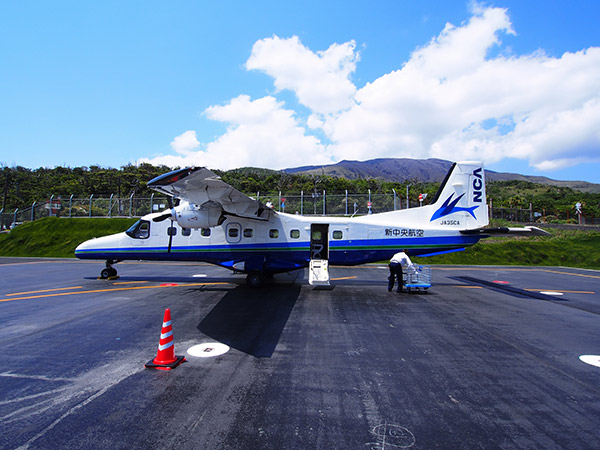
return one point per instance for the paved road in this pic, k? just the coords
(484, 360)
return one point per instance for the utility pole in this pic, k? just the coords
(6, 180)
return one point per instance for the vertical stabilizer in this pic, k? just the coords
(460, 202)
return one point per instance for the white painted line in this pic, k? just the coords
(593, 360)
(208, 350)
(551, 293)
(200, 275)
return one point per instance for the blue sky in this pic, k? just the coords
(282, 84)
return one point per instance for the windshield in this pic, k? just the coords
(139, 230)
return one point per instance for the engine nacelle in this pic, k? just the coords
(188, 215)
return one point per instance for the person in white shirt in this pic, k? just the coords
(398, 262)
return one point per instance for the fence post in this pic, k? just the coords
(346, 201)
(90, 214)
(110, 206)
(531, 212)
(15, 216)
(33, 211)
(70, 204)
(130, 204)
(152, 203)
(323, 201)
(394, 190)
(50, 210)
(301, 203)
(1, 219)
(407, 200)
(279, 202)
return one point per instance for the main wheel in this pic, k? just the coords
(108, 272)
(254, 279)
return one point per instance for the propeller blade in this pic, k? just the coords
(163, 217)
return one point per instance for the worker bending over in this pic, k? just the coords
(398, 262)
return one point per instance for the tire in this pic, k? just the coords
(254, 279)
(105, 273)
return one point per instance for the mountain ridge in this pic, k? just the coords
(430, 170)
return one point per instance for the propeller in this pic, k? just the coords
(162, 217)
(168, 213)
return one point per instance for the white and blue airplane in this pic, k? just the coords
(216, 223)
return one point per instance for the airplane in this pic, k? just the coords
(215, 223)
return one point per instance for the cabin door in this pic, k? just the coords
(319, 241)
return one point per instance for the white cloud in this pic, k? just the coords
(451, 99)
(185, 143)
(436, 105)
(320, 80)
(261, 133)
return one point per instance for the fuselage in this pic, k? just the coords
(284, 242)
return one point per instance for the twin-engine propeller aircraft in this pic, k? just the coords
(218, 224)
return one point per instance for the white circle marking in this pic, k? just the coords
(593, 360)
(208, 350)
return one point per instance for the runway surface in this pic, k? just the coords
(488, 358)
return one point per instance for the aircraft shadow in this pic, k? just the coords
(510, 290)
(251, 320)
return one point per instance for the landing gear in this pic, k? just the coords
(109, 271)
(255, 279)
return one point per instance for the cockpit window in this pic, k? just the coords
(139, 230)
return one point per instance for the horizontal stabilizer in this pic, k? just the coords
(524, 231)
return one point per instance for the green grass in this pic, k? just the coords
(54, 237)
(57, 237)
(570, 248)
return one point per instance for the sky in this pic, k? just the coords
(276, 84)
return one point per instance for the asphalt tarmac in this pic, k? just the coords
(488, 358)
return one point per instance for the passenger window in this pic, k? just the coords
(295, 234)
(139, 230)
(337, 234)
(233, 232)
(172, 231)
(205, 232)
(274, 233)
(316, 235)
(186, 231)
(248, 232)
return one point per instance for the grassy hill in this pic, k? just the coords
(56, 237)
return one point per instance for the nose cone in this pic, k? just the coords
(98, 248)
(82, 248)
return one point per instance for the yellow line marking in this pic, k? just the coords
(107, 290)
(521, 269)
(129, 282)
(574, 274)
(22, 263)
(343, 278)
(469, 287)
(560, 290)
(45, 290)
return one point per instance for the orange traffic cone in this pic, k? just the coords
(165, 357)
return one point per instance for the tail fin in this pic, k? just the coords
(460, 202)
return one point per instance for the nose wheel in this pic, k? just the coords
(109, 271)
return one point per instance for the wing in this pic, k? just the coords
(205, 188)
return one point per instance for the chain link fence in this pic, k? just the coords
(317, 203)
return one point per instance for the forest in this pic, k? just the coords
(23, 186)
